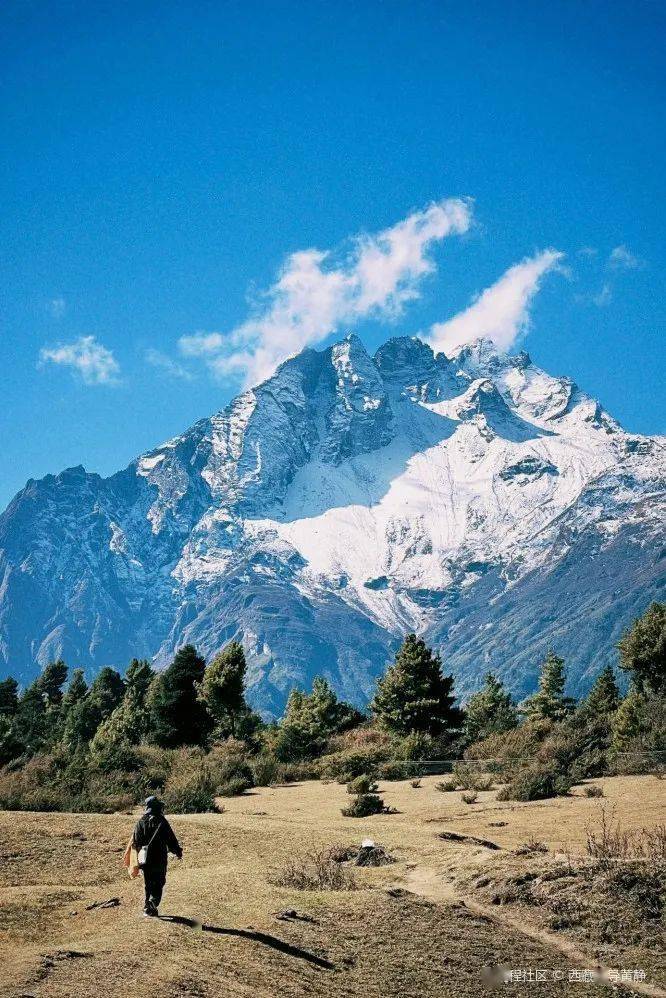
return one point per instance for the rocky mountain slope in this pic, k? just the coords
(348, 499)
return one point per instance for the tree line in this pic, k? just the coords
(102, 727)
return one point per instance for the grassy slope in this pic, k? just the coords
(379, 944)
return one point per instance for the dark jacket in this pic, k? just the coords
(152, 823)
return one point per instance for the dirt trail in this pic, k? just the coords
(429, 884)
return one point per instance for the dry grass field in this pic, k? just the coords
(426, 925)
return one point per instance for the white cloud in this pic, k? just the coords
(57, 307)
(93, 362)
(621, 258)
(603, 297)
(201, 344)
(501, 312)
(319, 291)
(167, 365)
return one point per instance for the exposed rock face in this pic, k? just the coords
(348, 499)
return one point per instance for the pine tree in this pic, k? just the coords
(8, 697)
(128, 724)
(223, 688)
(87, 713)
(75, 692)
(37, 717)
(490, 711)
(10, 745)
(177, 716)
(604, 697)
(549, 702)
(309, 721)
(628, 722)
(413, 695)
(643, 650)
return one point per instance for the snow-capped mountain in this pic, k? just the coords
(475, 499)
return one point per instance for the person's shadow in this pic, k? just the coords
(259, 937)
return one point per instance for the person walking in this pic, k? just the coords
(153, 839)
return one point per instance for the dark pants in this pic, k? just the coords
(154, 879)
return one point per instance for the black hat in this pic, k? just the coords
(154, 804)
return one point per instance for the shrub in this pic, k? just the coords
(530, 846)
(593, 791)
(229, 768)
(505, 751)
(31, 787)
(344, 766)
(364, 805)
(394, 770)
(536, 783)
(265, 770)
(361, 785)
(314, 870)
(190, 790)
(446, 786)
(470, 777)
(470, 798)
(155, 764)
(294, 772)
(233, 787)
(415, 784)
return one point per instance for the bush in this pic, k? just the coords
(344, 766)
(364, 805)
(593, 791)
(446, 786)
(469, 798)
(470, 777)
(31, 787)
(229, 768)
(295, 772)
(506, 750)
(190, 790)
(415, 784)
(395, 770)
(531, 846)
(314, 870)
(265, 770)
(233, 787)
(536, 783)
(362, 785)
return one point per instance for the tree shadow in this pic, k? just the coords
(258, 937)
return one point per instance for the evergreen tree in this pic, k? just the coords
(549, 702)
(129, 722)
(643, 650)
(177, 716)
(604, 697)
(37, 716)
(87, 713)
(10, 745)
(75, 692)
(50, 683)
(628, 722)
(413, 695)
(490, 711)
(8, 697)
(223, 688)
(309, 721)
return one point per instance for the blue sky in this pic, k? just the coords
(162, 165)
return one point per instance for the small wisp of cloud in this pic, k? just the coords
(621, 258)
(57, 307)
(171, 368)
(85, 357)
(501, 313)
(318, 291)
